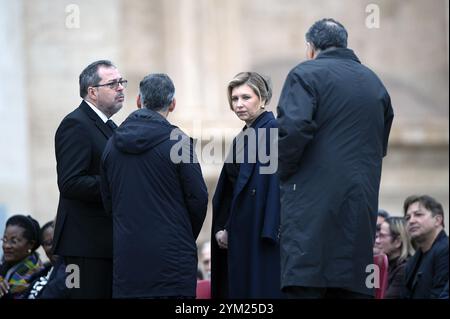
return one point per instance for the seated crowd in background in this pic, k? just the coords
(22, 273)
(394, 241)
(419, 275)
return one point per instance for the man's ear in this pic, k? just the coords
(138, 101)
(309, 51)
(439, 219)
(172, 105)
(92, 94)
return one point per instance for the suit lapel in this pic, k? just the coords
(105, 129)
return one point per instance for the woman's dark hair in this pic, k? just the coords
(427, 202)
(327, 33)
(31, 228)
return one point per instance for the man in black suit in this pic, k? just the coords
(427, 271)
(83, 231)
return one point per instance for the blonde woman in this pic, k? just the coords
(394, 241)
(246, 205)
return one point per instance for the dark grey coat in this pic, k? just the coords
(158, 206)
(334, 118)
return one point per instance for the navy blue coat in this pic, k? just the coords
(158, 207)
(334, 118)
(250, 267)
(427, 274)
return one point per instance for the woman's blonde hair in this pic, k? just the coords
(397, 227)
(259, 84)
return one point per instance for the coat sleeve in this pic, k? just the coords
(388, 118)
(73, 158)
(271, 222)
(271, 226)
(440, 271)
(296, 123)
(194, 189)
(221, 203)
(104, 181)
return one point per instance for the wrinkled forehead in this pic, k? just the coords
(415, 208)
(108, 74)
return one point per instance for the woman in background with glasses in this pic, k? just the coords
(394, 241)
(20, 261)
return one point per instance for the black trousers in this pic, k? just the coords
(95, 278)
(297, 292)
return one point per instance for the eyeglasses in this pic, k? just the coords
(12, 241)
(114, 84)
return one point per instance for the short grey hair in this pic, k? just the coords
(89, 76)
(157, 92)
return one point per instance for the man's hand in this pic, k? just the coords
(222, 239)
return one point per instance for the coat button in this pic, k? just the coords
(253, 192)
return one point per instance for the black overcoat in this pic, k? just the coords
(334, 118)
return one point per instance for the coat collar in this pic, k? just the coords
(96, 119)
(338, 53)
(261, 120)
(413, 268)
(246, 169)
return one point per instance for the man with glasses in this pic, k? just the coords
(83, 231)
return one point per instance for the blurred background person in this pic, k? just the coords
(246, 205)
(49, 283)
(20, 260)
(205, 260)
(394, 241)
(381, 217)
(427, 271)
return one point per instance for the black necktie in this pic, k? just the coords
(111, 125)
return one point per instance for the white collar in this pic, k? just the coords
(97, 111)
